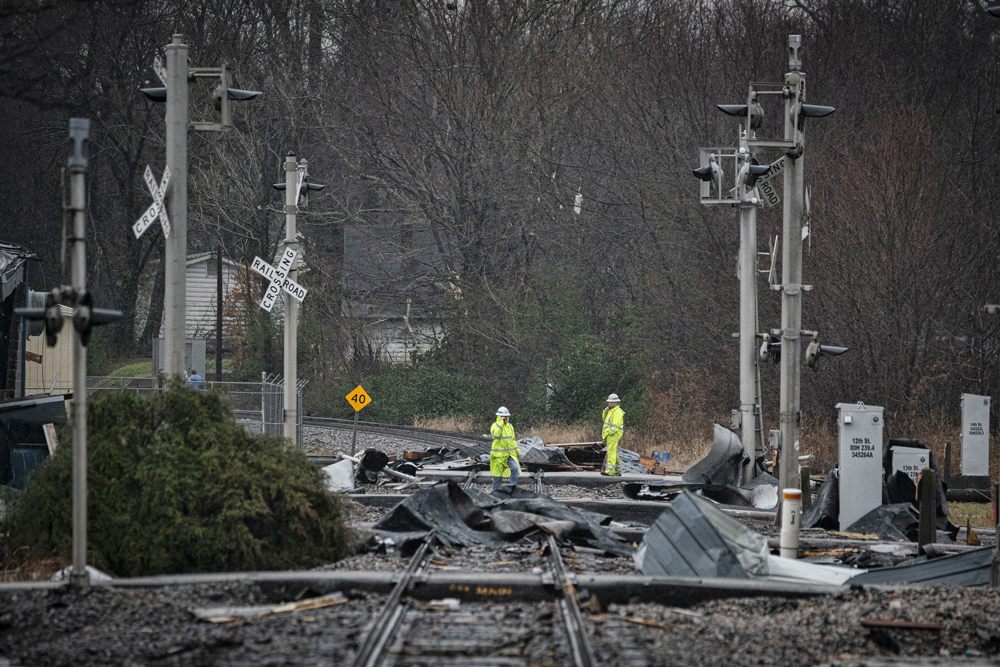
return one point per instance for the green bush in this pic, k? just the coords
(176, 485)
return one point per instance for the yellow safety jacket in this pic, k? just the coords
(614, 426)
(504, 446)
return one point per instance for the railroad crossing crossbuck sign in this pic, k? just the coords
(279, 279)
(358, 398)
(157, 208)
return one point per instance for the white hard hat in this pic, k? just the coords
(613, 398)
(503, 412)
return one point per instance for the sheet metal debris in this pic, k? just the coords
(969, 568)
(715, 477)
(228, 614)
(898, 522)
(692, 538)
(470, 518)
(724, 463)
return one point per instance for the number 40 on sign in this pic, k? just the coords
(358, 398)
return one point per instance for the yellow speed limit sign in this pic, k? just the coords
(358, 398)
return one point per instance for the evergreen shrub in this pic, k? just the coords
(176, 485)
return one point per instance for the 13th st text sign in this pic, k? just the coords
(278, 279)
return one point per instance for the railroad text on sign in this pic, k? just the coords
(768, 193)
(279, 279)
(358, 398)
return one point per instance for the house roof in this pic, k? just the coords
(205, 256)
(12, 259)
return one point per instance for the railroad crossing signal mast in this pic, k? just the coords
(85, 317)
(296, 187)
(793, 93)
(175, 77)
(741, 163)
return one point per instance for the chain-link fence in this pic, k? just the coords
(259, 406)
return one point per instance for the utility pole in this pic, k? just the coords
(85, 318)
(79, 128)
(175, 254)
(296, 187)
(748, 319)
(175, 78)
(293, 179)
(791, 271)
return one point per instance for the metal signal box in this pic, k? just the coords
(975, 435)
(860, 428)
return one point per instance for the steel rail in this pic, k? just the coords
(411, 432)
(579, 640)
(385, 625)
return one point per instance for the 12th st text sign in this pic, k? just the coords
(278, 278)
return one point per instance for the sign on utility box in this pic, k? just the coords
(911, 460)
(860, 460)
(975, 435)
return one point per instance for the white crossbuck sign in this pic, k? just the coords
(279, 279)
(157, 209)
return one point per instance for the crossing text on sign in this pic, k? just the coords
(157, 209)
(278, 279)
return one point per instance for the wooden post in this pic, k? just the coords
(806, 494)
(927, 498)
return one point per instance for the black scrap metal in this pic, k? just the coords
(466, 518)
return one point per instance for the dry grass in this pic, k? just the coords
(550, 434)
(680, 422)
(463, 424)
(559, 434)
(22, 566)
(978, 513)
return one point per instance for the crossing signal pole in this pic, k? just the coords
(85, 317)
(296, 188)
(783, 344)
(791, 275)
(175, 78)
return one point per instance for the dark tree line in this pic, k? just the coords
(482, 121)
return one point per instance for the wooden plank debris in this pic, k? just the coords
(228, 614)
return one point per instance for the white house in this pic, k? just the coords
(201, 291)
(392, 288)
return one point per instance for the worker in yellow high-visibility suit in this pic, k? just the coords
(504, 453)
(611, 433)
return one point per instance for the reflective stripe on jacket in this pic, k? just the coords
(503, 438)
(614, 425)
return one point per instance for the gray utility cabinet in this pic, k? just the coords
(194, 355)
(860, 428)
(975, 435)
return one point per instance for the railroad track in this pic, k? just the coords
(498, 632)
(423, 435)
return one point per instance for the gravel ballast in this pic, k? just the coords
(156, 627)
